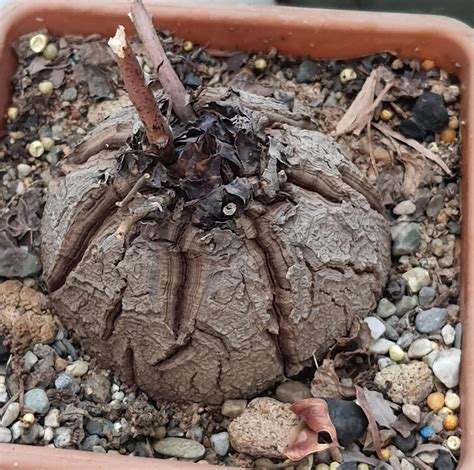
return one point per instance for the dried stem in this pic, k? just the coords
(167, 76)
(156, 127)
(133, 191)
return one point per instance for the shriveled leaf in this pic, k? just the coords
(315, 419)
(414, 172)
(404, 426)
(326, 383)
(430, 448)
(373, 429)
(413, 144)
(386, 436)
(380, 408)
(351, 456)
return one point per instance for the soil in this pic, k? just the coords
(87, 88)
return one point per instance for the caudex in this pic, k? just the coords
(215, 248)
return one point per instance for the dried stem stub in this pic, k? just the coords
(156, 127)
(170, 82)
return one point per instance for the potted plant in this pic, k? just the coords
(290, 31)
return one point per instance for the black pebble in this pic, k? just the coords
(307, 71)
(411, 129)
(395, 289)
(405, 444)
(348, 419)
(4, 351)
(430, 112)
(444, 462)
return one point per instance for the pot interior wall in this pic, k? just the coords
(297, 32)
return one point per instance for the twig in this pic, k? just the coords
(398, 110)
(170, 82)
(133, 191)
(11, 400)
(156, 127)
(371, 150)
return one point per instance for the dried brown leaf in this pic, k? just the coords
(326, 382)
(373, 429)
(414, 172)
(380, 408)
(315, 419)
(386, 436)
(413, 144)
(404, 426)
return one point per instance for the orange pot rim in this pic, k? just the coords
(293, 31)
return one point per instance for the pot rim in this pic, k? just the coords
(314, 33)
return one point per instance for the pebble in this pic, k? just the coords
(412, 412)
(405, 444)
(89, 442)
(376, 326)
(11, 414)
(405, 383)
(446, 367)
(48, 435)
(220, 443)
(52, 418)
(23, 170)
(391, 333)
(444, 462)
(291, 391)
(3, 394)
(180, 448)
(435, 205)
(449, 334)
(452, 400)
(70, 94)
(118, 395)
(16, 429)
(406, 304)
(32, 434)
(36, 401)
(458, 339)
(77, 368)
(404, 208)
(431, 320)
(195, 433)
(419, 348)
(63, 381)
(426, 432)
(396, 353)
(417, 278)
(307, 71)
(5, 435)
(406, 465)
(384, 362)
(406, 238)
(29, 360)
(426, 295)
(385, 308)
(62, 437)
(381, 346)
(233, 408)
(406, 339)
(431, 357)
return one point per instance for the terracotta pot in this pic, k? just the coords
(297, 32)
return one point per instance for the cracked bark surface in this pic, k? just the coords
(199, 313)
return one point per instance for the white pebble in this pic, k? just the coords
(404, 208)
(48, 435)
(449, 334)
(376, 327)
(77, 368)
(396, 353)
(119, 396)
(52, 418)
(416, 279)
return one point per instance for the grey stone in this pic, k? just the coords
(70, 94)
(233, 408)
(292, 390)
(376, 326)
(431, 320)
(435, 205)
(36, 401)
(431, 357)
(406, 304)
(436, 422)
(195, 433)
(89, 442)
(220, 443)
(29, 360)
(5, 435)
(26, 265)
(417, 278)
(118, 395)
(32, 434)
(446, 367)
(62, 437)
(77, 368)
(307, 71)
(405, 383)
(98, 449)
(11, 414)
(48, 435)
(97, 388)
(180, 448)
(52, 418)
(380, 346)
(384, 362)
(63, 381)
(385, 308)
(406, 238)
(391, 333)
(458, 340)
(23, 170)
(404, 208)
(449, 334)
(406, 339)
(412, 412)
(71, 350)
(419, 348)
(406, 465)
(176, 432)
(101, 427)
(426, 295)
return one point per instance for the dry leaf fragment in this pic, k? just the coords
(380, 408)
(373, 429)
(414, 172)
(326, 384)
(413, 144)
(314, 413)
